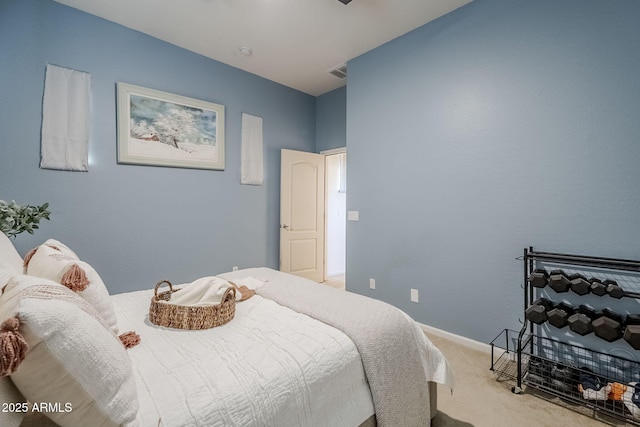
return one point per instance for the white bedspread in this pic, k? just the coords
(269, 366)
(398, 358)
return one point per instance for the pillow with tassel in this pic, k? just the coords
(56, 349)
(56, 262)
(9, 394)
(56, 244)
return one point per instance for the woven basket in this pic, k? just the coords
(190, 317)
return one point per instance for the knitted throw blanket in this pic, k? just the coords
(385, 338)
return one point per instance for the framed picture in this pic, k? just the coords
(161, 129)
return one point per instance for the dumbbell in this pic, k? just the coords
(613, 290)
(608, 325)
(539, 278)
(537, 311)
(579, 284)
(600, 288)
(559, 282)
(559, 315)
(617, 292)
(632, 330)
(597, 287)
(580, 321)
(632, 336)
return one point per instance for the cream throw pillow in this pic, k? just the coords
(9, 395)
(9, 253)
(6, 271)
(53, 262)
(61, 247)
(73, 361)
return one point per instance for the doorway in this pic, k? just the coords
(313, 215)
(335, 216)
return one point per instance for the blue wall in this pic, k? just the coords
(331, 120)
(135, 224)
(504, 124)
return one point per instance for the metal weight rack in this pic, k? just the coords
(567, 370)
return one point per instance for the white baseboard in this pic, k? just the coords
(467, 342)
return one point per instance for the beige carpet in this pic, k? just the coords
(335, 282)
(480, 400)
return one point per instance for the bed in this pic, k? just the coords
(295, 354)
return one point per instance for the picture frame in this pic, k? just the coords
(162, 129)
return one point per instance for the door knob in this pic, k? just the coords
(285, 226)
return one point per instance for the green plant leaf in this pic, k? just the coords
(16, 219)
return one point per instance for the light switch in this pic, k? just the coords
(352, 215)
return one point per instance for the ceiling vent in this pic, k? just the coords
(339, 71)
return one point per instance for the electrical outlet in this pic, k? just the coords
(414, 295)
(235, 268)
(372, 283)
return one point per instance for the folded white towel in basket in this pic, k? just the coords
(204, 291)
(250, 282)
(210, 290)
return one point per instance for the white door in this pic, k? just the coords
(302, 214)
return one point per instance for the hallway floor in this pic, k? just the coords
(337, 282)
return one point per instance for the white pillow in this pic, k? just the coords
(9, 395)
(51, 262)
(73, 360)
(56, 244)
(9, 252)
(6, 271)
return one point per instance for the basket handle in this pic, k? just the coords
(160, 283)
(229, 294)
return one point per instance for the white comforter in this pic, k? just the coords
(397, 357)
(269, 366)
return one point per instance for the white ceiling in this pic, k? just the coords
(293, 42)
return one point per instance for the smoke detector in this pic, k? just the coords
(340, 71)
(245, 51)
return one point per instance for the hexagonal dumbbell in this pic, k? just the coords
(539, 278)
(559, 315)
(613, 289)
(632, 336)
(559, 282)
(632, 330)
(597, 287)
(608, 326)
(580, 321)
(537, 311)
(580, 285)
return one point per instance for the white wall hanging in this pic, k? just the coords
(251, 161)
(65, 119)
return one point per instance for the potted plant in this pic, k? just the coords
(15, 218)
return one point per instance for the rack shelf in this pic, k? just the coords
(593, 380)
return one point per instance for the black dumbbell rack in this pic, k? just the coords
(559, 368)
